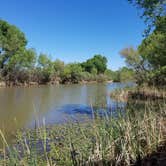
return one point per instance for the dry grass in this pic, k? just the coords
(120, 140)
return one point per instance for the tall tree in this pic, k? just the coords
(137, 62)
(153, 48)
(45, 68)
(12, 41)
(43, 60)
(71, 73)
(98, 62)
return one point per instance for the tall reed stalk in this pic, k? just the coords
(120, 140)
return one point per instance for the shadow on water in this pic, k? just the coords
(90, 111)
(78, 112)
(22, 107)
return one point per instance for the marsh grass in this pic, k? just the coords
(139, 93)
(120, 140)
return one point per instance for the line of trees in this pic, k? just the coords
(20, 65)
(146, 64)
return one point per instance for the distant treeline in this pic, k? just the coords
(22, 66)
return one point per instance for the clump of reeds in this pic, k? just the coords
(138, 93)
(120, 140)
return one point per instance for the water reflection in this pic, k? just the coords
(20, 107)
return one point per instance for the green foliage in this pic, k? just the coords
(101, 78)
(44, 61)
(158, 77)
(151, 8)
(86, 76)
(120, 140)
(112, 75)
(151, 11)
(58, 66)
(149, 61)
(122, 75)
(46, 68)
(12, 41)
(137, 63)
(15, 60)
(21, 65)
(22, 59)
(98, 62)
(87, 66)
(153, 47)
(126, 74)
(72, 73)
(109, 74)
(132, 57)
(93, 71)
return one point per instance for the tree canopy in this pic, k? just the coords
(98, 63)
(151, 10)
(21, 64)
(12, 41)
(149, 59)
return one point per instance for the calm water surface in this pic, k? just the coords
(22, 107)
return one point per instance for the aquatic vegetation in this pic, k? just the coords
(138, 93)
(120, 140)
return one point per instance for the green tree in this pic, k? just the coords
(88, 65)
(72, 73)
(15, 60)
(110, 74)
(22, 59)
(58, 66)
(153, 48)
(137, 63)
(20, 65)
(43, 60)
(45, 67)
(116, 76)
(98, 62)
(151, 10)
(126, 74)
(12, 42)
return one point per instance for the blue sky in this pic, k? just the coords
(75, 30)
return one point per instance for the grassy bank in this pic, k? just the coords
(139, 93)
(36, 84)
(122, 140)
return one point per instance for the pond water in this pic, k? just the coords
(23, 107)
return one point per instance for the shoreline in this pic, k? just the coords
(68, 143)
(138, 93)
(35, 84)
